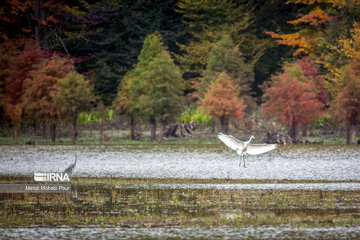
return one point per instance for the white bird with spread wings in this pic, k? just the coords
(243, 148)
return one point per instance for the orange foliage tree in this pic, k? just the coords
(293, 103)
(326, 34)
(37, 100)
(314, 24)
(19, 68)
(346, 105)
(307, 39)
(222, 101)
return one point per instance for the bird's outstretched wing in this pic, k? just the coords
(230, 141)
(254, 149)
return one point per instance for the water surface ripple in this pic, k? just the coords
(181, 233)
(187, 161)
(266, 186)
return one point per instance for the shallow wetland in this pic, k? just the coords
(185, 192)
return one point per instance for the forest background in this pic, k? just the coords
(239, 66)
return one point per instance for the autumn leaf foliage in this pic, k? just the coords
(19, 68)
(37, 100)
(305, 70)
(306, 40)
(347, 101)
(222, 101)
(312, 74)
(346, 106)
(292, 102)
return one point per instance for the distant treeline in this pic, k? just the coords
(226, 62)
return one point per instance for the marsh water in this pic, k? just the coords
(337, 162)
(182, 233)
(340, 186)
(340, 165)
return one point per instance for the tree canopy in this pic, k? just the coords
(154, 87)
(292, 101)
(37, 99)
(146, 57)
(346, 106)
(222, 101)
(72, 95)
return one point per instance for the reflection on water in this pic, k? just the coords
(181, 233)
(188, 161)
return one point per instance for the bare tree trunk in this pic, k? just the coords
(36, 19)
(162, 130)
(40, 29)
(152, 129)
(33, 132)
(213, 125)
(101, 109)
(53, 132)
(35, 127)
(101, 132)
(351, 133)
(75, 129)
(43, 133)
(293, 131)
(132, 127)
(224, 122)
(16, 130)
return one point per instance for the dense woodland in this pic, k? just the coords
(216, 62)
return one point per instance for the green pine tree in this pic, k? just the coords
(163, 87)
(154, 87)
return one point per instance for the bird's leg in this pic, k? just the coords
(76, 193)
(244, 159)
(241, 156)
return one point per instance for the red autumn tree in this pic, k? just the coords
(293, 103)
(222, 101)
(346, 106)
(7, 51)
(19, 68)
(306, 71)
(312, 73)
(37, 101)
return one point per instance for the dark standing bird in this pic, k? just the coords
(70, 170)
(243, 148)
(72, 166)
